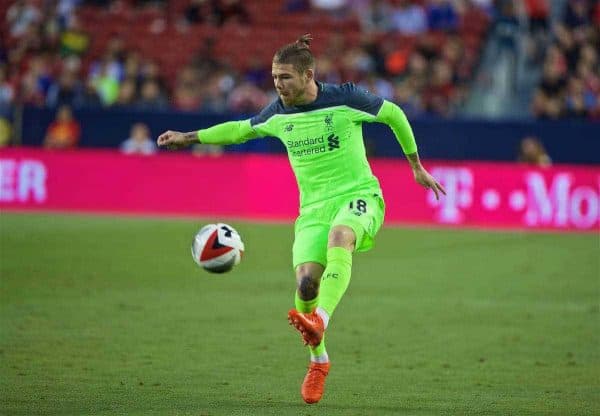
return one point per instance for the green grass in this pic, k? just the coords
(102, 316)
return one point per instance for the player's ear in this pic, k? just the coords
(309, 74)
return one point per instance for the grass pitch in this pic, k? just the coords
(103, 316)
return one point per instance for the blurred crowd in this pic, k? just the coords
(570, 84)
(45, 60)
(45, 57)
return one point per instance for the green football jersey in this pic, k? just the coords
(324, 141)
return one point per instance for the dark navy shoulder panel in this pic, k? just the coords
(359, 98)
(276, 107)
(329, 95)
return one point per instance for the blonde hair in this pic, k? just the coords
(298, 54)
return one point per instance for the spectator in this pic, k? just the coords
(107, 85)
(257, 73)
(89, 97)
(139, 141)
(151, 97)
(409, 18)
(21, 15)
(65, 9)
(5, 131)
(378, 86)
(441, 15)
(577, 14)
(64, 131)
(201, 11)
(132, 68)
(547, 107)
(149, 3)
(532, 152)
(337, 8)
(74, 40)
(128, 94)
(375, 18)
(294, 6)
(186, 95)
(538, 12)
(440, 92)
(579, 101)
(418, 71)
(7, 91)
(67, 91)
(327, 71)
(202, 149)
(356, 64)
(39, 72)
(554, 80)
(405, 95)
(150, 71)
(215, 91)
(247, 98)
(112, 61)
(231, 11)
(204, 61)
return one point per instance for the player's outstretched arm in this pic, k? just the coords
(422, 177)
(230, 132)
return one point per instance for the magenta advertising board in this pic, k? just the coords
(262, 187)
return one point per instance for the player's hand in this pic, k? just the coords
(175, 139)
(422, 177)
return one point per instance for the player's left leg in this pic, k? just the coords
(336, 276)
(353, 229)
(308, 276)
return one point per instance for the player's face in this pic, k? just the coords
(290, 84)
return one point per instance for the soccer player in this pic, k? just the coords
(341, 203)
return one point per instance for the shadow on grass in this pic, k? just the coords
(275, 407)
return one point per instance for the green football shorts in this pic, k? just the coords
(363, 213)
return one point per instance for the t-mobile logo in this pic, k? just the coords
(558, 201)
(459, 193)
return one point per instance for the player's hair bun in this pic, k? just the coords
(304, 41)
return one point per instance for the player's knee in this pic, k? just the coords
(342, 236)
(308, 287)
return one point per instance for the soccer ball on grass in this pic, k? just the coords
(217, 248)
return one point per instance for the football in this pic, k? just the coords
(217, 248)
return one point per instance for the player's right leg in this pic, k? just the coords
(309, 252)
(309, 257)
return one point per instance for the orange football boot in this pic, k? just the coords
(310, 325)
(314, 382)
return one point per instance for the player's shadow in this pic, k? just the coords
(283, 407)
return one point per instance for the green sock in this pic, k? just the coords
(306, 306)
(336, 278)
(319, 350)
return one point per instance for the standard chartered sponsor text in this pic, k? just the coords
(308, 146)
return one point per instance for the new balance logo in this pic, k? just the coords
(333, 142)
(289, 127)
